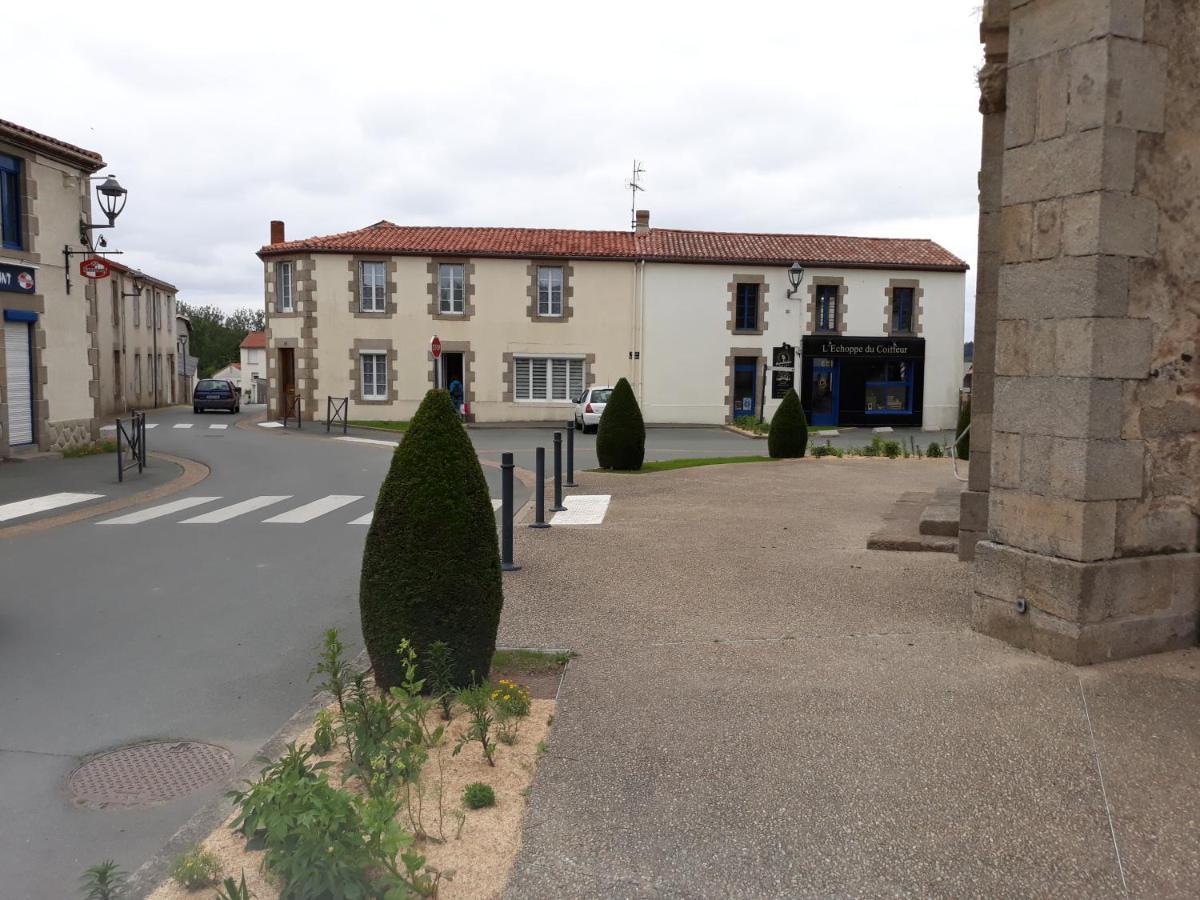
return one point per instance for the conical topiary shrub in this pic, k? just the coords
(788, 436)
(621, 437)
(962, 446)
(431, 565)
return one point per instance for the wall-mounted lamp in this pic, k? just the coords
(795, 276)
(111, 197)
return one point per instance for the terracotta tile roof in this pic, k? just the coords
(255, 340)
(150, 279)
(656, 245)
(88, 159)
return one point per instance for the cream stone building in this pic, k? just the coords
(699, 322)
(138, 342)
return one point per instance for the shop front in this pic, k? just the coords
(862, 380)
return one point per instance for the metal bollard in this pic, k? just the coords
(540, 490)
(558, 485)
(120, 455)
(506, 513)
(570, 482)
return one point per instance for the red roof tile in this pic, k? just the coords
(89, 159)
(656, 245)
(255, 340)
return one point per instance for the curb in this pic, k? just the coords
(193, 473)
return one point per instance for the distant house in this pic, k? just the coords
(232, 372)
(254, 367)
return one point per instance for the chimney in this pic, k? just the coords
(276, 232)
(641, 221)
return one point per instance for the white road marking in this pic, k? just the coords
(217, 427)
(182, 425)
(225, 513)
(883, 429)
(830, 433)
(150, 425)
(496, 504)
(582, 509)
(157, 512)
(363, 520)
(358, 440)
(108, 427)
(42, 504)
(270, 424)
(310, 511)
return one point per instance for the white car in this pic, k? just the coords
(588, 407)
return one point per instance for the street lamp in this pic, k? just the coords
(795, 275)
(111, 197)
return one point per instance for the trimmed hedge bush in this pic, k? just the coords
(621, 438)
(788, 436)
(962, 447)
(431, 565)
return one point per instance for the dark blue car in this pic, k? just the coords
(215, 393)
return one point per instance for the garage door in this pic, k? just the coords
(20, 386)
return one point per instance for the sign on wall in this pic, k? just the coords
(17, 279)
(94, 267)
(864, 348)
(783, 370)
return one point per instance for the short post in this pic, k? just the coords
(570, 482)
(328, 412)
(299, 413)
(506, 513)
(120, 455)
(539, 490)
(142, 442)
(558, 485)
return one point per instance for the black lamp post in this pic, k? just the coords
(795, 275)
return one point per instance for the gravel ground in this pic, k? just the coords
(763, 708)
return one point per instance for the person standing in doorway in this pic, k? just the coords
(456, 396)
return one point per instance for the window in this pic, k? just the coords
(372, 293)
(540, 378)
(149, 310)
(550, 290)
(889, 387)
(827, 311)
(116, 374)
(10, 203)
(746, 312)
(450, 288)
(902, 309)
(116, 301)
(158, 310)
(137, 309)
(137, 375)
(374, 376)
(283, 287)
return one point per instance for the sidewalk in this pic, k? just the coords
(763, 708)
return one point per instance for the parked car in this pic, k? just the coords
(589, 406)
(216, 393)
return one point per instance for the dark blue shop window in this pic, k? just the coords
(10, 202)
(746, 317)
(902, 310)
(889, 388)
(827, 298)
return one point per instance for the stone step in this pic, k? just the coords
(901, 528)
(940, 516)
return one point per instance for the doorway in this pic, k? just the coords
(453, 370)
(287, 379)
(745, 382)
(824, 392)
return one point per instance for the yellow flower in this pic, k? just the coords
(506, 697)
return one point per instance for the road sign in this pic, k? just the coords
(94, 267)
(436, 346)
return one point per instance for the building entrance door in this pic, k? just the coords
(454, 371)
(745, 378)
(824, 392)
(19, 371)
(287, 379)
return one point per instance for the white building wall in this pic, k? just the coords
(254, 365)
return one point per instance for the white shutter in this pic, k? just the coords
(559, 379)
(19, 370)
(522, 366)
(539, 379)
(576, 386)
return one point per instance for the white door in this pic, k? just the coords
(20, 382)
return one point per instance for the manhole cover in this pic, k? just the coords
(149, 773)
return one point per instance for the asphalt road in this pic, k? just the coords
(111, 634)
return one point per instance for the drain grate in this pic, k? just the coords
(149, 773)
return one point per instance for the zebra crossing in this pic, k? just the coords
(301, 514)
(178, 426)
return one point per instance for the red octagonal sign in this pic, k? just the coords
(436, 346)
(95, 267)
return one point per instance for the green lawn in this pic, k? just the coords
(529, 662)
(379, 424)
(666, 465)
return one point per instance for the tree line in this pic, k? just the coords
(216, 335)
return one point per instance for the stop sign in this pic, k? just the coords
(436, 346)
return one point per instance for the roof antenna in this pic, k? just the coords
(633, 186)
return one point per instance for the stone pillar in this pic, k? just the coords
(973, 512)
(1095, 447)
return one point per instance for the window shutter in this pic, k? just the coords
(559, 381)
(576, 385)
(539, 379)
(522, 387)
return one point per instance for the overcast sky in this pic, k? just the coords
(853, 117)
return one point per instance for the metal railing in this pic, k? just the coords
(336, 411)
(294, 408)
(131, 441)
(954, 450)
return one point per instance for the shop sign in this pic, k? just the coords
(783, 370)
(94, 267)
(17, 279)
(865, 348)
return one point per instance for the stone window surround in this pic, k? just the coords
(763, 304)
(373, 345)
(568, 291)
(29, 220)
(730, 361)
(463, 347)
(355, 287)
(433, 268)
(918, 292)
(510, 378)
(271, 296)
(810, 308)
(304, 306)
